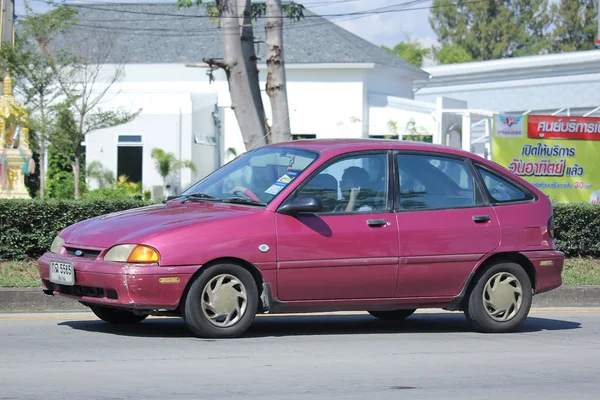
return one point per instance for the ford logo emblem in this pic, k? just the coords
(78, 253)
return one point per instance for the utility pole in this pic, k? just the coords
(8, 15)
(598, 37)
(7, 32)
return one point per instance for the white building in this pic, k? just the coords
(565, 84)
(339, 85)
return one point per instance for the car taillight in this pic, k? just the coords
(551, 227)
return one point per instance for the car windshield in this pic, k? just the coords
(257, 176)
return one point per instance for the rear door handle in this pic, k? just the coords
(377, 222)
(481, 218)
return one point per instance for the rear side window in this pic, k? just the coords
(431, 182)
(501, 189)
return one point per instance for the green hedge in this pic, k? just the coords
(27, 227)
(577, 229)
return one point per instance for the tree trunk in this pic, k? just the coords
(77, 169)
(42, 169)
(276, 81)
(242, 71)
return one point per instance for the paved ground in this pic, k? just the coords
(431, 356)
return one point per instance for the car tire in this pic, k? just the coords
(500, 298)
(228, 315)
(394, 315)
(117, 316)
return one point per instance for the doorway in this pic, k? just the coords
(130, 157)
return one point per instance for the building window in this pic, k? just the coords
(130, 139)
(303, 136)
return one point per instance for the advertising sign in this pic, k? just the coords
(559, 155)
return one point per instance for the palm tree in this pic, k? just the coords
(167, 163)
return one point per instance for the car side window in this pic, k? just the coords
(431, 182)
(352, 184)
(500, 189)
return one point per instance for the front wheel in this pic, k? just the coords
(222, 302)
(500, 299)
(117, 316)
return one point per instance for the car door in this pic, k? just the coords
(341, 253)
(445, 226)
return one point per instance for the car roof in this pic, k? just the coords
(340, 146)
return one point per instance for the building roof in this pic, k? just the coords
(510, 69)
(156, 33)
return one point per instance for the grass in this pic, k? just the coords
(19, 274)
(577, 271)
(581, 271)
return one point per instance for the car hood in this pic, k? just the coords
(139, 224)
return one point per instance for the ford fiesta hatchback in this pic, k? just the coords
(386, 227)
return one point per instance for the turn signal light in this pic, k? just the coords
(143, 254)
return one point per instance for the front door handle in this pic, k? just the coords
(377, 222)
(481, 218)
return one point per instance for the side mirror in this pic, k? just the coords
(302, 204)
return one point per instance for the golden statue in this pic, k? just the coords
(15, 154)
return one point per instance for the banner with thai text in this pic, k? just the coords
(559, 155)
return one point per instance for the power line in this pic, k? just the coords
(374, 11)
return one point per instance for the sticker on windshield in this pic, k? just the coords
(285, 179)
(274, 189)
(281, 183)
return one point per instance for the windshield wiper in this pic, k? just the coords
(191, 197)
(240, 200)
(199, 196)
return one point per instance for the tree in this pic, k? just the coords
(451, 54)
(167, 163)
(492, 29)
(576, 25)
(33, 65)
(95, 68)
(240, 65)
(410, 51)
(104, 176)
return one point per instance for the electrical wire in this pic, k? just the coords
(374, 11)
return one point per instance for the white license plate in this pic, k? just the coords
(62, 272)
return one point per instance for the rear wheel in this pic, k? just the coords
(221, 302)
(117, 316)
(394, 315)
(500, 299)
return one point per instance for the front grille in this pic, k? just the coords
(85, 253)
(79, 290)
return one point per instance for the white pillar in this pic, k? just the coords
(466, 131)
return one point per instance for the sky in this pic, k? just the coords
(386, 28)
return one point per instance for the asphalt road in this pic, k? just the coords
(430, 356)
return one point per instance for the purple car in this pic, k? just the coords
(386, 227)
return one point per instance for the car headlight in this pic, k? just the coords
(133, 253)
(57, 245)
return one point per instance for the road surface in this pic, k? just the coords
(430, 356)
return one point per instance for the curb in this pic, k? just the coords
(33, 300)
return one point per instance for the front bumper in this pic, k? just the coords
(548, 267)
(131, 286)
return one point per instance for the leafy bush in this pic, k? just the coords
(27, 227)
(577, 229)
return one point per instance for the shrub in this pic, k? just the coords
(27, 227)
(577, 229)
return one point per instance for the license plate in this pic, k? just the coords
(62, 272)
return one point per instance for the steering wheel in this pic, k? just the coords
(244, 192)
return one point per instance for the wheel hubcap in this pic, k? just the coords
(502, 296)
(224, 300)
